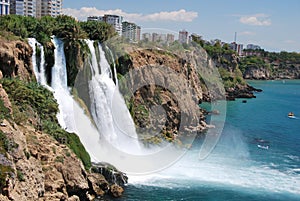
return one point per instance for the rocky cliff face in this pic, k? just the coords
(278, 71)
(15, 60)
(34, 166)
(166, 93)
(257, 73)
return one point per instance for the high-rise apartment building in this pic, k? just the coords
(131, 31)
(4, 7)
(36, 8)
(237, 47)
(146, 37)
(50, 7)
(183, 36)
(170, 38)
(23, 7)
(114, 20)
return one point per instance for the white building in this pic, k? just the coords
(183, 36)
(170, 38)
(114, 20)
(36, 8)
(4, 7)
(131, 31)
(49, 7)
(23, 7)
(146, 37)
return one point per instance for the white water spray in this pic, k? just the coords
(118, 129)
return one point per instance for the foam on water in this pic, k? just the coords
(229, 165)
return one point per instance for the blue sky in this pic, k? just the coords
(272, 24)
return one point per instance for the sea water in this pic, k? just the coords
(238, 169)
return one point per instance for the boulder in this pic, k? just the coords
(116, 190)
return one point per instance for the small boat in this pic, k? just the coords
(291, 115)
(263, 147)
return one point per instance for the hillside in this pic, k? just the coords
(264, 65)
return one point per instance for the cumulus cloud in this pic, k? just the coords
(256, 20)
(179, 16)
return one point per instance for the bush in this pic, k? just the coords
(4, 112)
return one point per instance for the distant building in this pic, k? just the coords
(146, 37)
(183, 36)
(170, 38)
(4, 7)
(237, 47)
(23, 7)
(36, 8)
(131, 31)
(49, 7)
(114, 20)
(253, 47)
(155, 37)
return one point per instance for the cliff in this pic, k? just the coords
(165, 93)
(38, 159)
(263, 65)
(36, 165)
(234, 83)
(15, 59)
(277, 71)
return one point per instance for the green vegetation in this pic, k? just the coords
(274, 62)
(66, 28)
(4, 172)
(6, 144)
(20, 175)
(231, 79)
(4, 112)
(31, 96)
(63, 26)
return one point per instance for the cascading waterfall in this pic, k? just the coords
(114, 65)
(39, 71)
(65, 116)
(42, 79)
(117, 128)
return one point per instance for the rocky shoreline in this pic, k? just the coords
(240, 91)
(37, 167)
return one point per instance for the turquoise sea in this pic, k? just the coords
(257, 157)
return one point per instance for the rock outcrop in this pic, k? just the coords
(35, 166)
(15, 60)
(166, 91)
(43, 169)
(257, 73)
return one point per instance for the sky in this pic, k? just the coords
(272, 24)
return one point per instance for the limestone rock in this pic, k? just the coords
(4, 97)
(15, 59)
(98, 183)
(116, 190)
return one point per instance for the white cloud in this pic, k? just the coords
(256, 20)
(179, 16)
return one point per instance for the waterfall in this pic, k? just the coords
(114, 65)
(32, 42)
(66, 117)
(39, 70)
(42, 79)
(108, 107)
